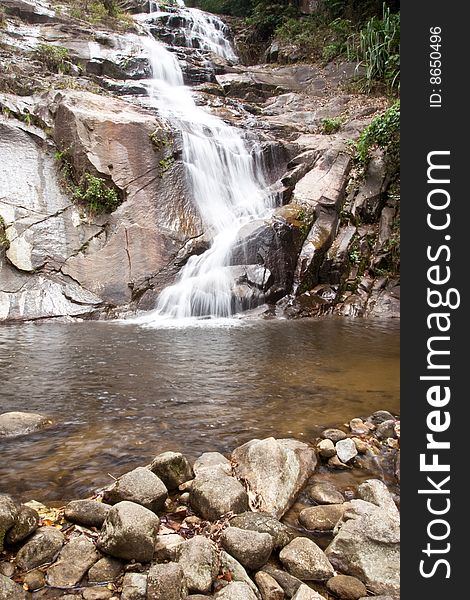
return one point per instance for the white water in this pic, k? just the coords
(228, 189)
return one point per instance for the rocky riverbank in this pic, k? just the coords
(96, 214)
(277, 519)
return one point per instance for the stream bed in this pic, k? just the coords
(120, 394)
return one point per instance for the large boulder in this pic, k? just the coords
(322, 518)
(367, 546)
(26, 523)
(250, 548)
(74, 560)
(129, 532)
(41, 548)
(281, 533)
(8, 515)
(166, 582)
(275, 471)
(172, 468)
(306, 561)
(236, 590)
(199, 562)
(140, 486)
(214, 495)
(87, 512)
(13, 424)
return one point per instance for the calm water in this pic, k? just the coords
(120, 394)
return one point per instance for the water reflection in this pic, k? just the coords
(121, 394)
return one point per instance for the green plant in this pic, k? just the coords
(96, 194)
(379, 50)
(329, 126)
(383, 132)
(165, 165)
(55, 58)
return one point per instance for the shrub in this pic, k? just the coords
(96, 194)
(329, 126)
(383, 132)
(379, 50)
(55, 58)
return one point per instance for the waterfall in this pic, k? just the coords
(228, 188)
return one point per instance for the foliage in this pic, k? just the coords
(96, 194)
(104, 12)
(329, 126)
(55, 58)
(383, 132)
(379, 50)
(91, 190)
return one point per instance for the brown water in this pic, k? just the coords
(119, 394)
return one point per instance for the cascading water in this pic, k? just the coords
(228, 189)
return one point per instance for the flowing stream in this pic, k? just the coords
(226, 178)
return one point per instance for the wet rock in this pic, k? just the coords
(105, 570)
(214, 495)
(140, 486)
(250, 548)
(198, 560)
(326, 448)
(9, 590)
(40, 549)
(370, 199)
(361, 445)
(386, 429)
(129, 532)
(346, 450)
(358, 427)
(322, 518)
(166, 547)
(306, 561)
(35, 580)
(324, 493)
(264, 523)
(74, 560)
(26, 523)
(166, 582)
(210, 462)
(89, 513)
(228, 564)
(13, 424)
(8, 514)
(96, 593)
(367, 546)
(134, 586)
(380, 416)
(289, 583)
(335, 435)
(268, 587)
(306, 593)
(275, 470)
(346, 587)
(237, 590)
(172, 468)
(376, 492)
(335, 463)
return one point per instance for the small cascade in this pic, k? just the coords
(192, 28)
(228, 188)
